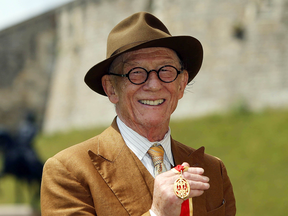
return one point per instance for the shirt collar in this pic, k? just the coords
(140, 145)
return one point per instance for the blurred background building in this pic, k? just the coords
(43, 60)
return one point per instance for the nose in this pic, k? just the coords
(153, 83)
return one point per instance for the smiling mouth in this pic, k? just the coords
(152, 102)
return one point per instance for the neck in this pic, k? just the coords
(151, 132)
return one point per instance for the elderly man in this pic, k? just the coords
(129, 169)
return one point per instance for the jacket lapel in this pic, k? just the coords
(131, 183)
(182, 154)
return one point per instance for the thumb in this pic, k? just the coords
(185, 164)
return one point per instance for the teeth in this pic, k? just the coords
(152, 103)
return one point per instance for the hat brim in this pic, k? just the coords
(188, 48)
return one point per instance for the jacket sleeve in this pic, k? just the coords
(62, 193)
(230, 203)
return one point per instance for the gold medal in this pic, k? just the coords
(181, 187)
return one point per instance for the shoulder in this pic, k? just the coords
(70, 161)
(78, 153)
(78, 150)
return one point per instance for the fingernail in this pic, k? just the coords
(206, 178)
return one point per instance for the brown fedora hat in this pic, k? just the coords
(143, 30)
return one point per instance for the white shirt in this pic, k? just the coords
(140, 145)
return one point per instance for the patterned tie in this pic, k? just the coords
(156, 152)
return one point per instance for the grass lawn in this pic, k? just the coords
(253, 146)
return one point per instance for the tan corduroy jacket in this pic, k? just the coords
(103, 177)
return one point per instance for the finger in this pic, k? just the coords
(195, 170)
(196, 185)
(195, 193)
(185, 164)
(196, 178)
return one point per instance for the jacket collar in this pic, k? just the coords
(182, 153)
(132, 182)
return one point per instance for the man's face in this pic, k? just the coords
(150, 104)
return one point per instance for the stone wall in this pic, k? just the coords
(250, 68)
(27, 55)
(245, 56)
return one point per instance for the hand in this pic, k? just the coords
(165, 202)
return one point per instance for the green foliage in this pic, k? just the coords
(253, 147)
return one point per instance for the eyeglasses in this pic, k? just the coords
(139, 75)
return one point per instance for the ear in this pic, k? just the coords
(109, 89)
(183, 83)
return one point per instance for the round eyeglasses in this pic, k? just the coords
(139, 75)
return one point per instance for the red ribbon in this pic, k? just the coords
(185, 208)
(179, 168)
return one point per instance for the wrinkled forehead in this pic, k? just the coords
(160, 54)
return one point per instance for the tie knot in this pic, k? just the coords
(156, 152)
